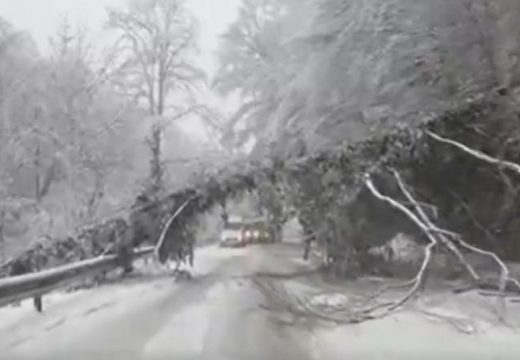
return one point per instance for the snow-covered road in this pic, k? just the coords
(219, 316)
(214, 316)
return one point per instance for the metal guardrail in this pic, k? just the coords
(17, 288)
(35, 285)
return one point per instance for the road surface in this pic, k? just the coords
(220, 315)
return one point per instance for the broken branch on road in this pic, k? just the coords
(437, 236)
(301, 306)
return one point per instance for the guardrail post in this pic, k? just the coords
(37, 301)
(35, 285)
(125, 258)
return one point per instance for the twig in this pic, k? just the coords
(419, 278)
(505, 278)
(281, 299)
(510, 297)
(272, 275)
(459, 324)
(491, 238)
(386, 288)
(504, 271)
(312, 235)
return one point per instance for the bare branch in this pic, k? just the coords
(430, 226)
(430, 229)
(419, 278)
(477, 154)
(504, 270)
(490, 237)
(162, 238)
(396, 205)
(167, 121)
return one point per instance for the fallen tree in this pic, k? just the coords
(302, 307)
(334, 190)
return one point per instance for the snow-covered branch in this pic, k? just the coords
(431, 226)
(476, 154)
(437, 236)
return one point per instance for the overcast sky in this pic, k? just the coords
(41, 17)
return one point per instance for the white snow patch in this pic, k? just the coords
(209, 258)
(20, 322)
(182, 336)
(185, 335)
(12, 314)
(292, 232)
(206, 260)
(300, 261)
(301, 289)
(216, 292)
(455, 327)
(329, 300)
(413, 336)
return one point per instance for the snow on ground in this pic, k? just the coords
(219, 315)
(9, 315)
(20, 323)
(190, 326)
(438, 326)
(180, 335)
(329, 300)
(412, 336)
(208, 258)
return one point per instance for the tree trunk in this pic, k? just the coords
(156, 169)
(2, 239)
(36, 163)
(95, 197)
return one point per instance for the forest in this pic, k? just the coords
(362, 119)
(357, 73)
(83, 123)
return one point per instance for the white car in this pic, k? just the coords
(232, 236)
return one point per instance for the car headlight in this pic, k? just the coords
(256, 234)
(247, 234)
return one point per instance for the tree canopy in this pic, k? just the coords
(330, 71)
(72, 149)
